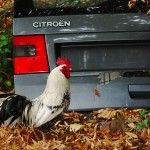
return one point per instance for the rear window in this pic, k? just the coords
(77, 3)
(70, 7)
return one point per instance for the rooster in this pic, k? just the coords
(44, 110)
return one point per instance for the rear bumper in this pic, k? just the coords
(115, 94)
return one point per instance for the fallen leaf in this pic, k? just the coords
(96, 92)
(132, 125)
(107, 113)
(131, 135)
(76, 127)
(148, 13)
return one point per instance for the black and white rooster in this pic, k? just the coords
(45, 109)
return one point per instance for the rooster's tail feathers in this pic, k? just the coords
(12, 107)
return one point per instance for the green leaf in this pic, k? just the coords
(6, 50)
(1, 45)
(145, 122)
(138, 127)
(143, 113)
(4, 43)
(142, 124)
(8, 83)
(3, 37)
(1, 9)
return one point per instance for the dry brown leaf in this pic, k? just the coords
(58, 146)
(131, 135)
(148, 12)
(107, 113)
(76, 127)
(131, 3)
(96, 92)
(132, 125)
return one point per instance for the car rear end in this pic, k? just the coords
(108, 48)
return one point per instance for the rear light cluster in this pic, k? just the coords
(30, 54)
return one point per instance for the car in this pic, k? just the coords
(106, 42)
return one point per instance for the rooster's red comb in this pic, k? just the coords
(62, 61)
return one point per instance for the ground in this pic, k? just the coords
(105, 129)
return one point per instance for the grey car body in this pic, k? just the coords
(103, 48)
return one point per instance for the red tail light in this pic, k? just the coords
(30, 54)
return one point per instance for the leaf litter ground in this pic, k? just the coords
(105, 129)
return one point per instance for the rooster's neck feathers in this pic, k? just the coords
(57, 85)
